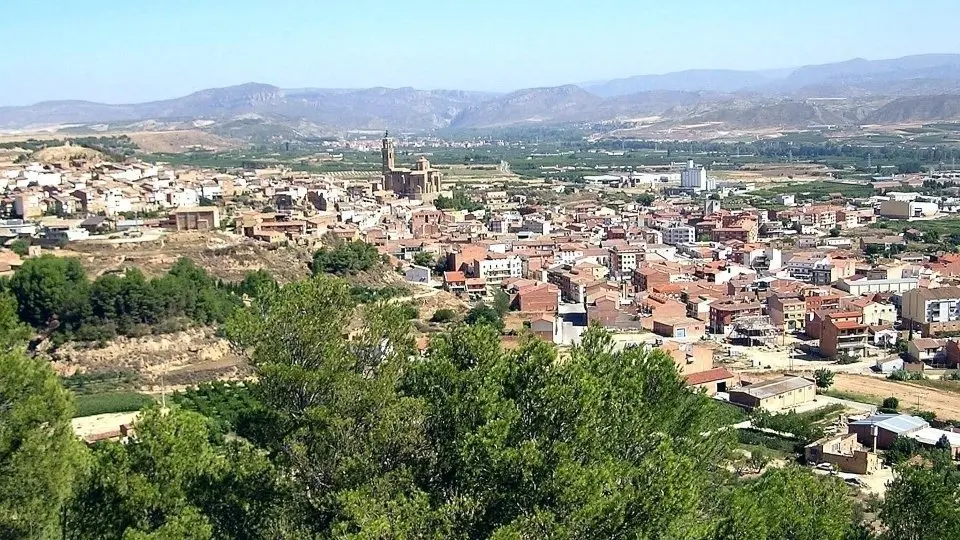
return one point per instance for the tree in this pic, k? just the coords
(901, 449)
(471, 440)
(340, 422)
(425, 258)
(890, 404)
(39, 455)
(909, 167)
(823, 378)
(834, 232)
(258, 283)
(538, 451)
(920, 503)
(345, 258)
(172, 480)
(944, 444)
(704, 237)
(443, 315)
(501, 302)
(13, 333)
(485, 315)
(48, 288)
(646, 199)
(20, 246)
(788, 503)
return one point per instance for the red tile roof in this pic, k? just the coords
(716, 374)
(454, 276)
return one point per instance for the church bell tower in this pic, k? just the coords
(387, 154)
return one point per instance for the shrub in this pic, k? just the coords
(20, 246)
(443, 315)
(890, 404)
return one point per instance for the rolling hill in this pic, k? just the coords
(922, 88)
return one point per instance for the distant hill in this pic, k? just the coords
(696, 80)
(787, 113)
(373, 108)
(917, 109)
(537, 105)
(912, 88)
(859, 75)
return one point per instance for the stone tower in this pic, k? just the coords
(387, 155)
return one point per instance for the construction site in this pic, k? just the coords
(754, 331)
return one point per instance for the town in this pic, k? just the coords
(838, 301)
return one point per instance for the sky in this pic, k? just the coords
(126, 51)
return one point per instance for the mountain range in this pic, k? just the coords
(922, 88)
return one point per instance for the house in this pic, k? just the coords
(844, 334)
(711, 381)
(547, 327)
(455, 282)
(419, 274)
(927, 350)
(877, 432)
(787, 312)
(723, 313)
(196, 218)
(934, 310)
(679, 327)
(844, 452)
(775, 394)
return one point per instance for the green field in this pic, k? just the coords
(112, 402)
(815, 190)
(943, 227)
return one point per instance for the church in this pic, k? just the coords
(420, 183)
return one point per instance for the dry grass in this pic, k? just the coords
(945, 403)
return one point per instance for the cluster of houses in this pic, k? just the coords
(682, 267)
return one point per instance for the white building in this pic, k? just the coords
(419, 274)
(908, 209)
(694, 177)
(681, 234)
(496, 269)
(860, 287)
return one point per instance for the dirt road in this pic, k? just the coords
(945, 404)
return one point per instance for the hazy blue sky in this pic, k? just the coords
(134, 50)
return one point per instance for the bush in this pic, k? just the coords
(904, 375)
(345, 258)
(902, 449)
(797, 425)
(823, 377)
(484, 314)
(170, 326)
(409, 310)
(20, 246)
(96, 332)
(443, 315)
(891, 404)
(767, 440)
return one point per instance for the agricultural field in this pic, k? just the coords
(944, 227)
(943, 401)
(813, 191)
(110, 402)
